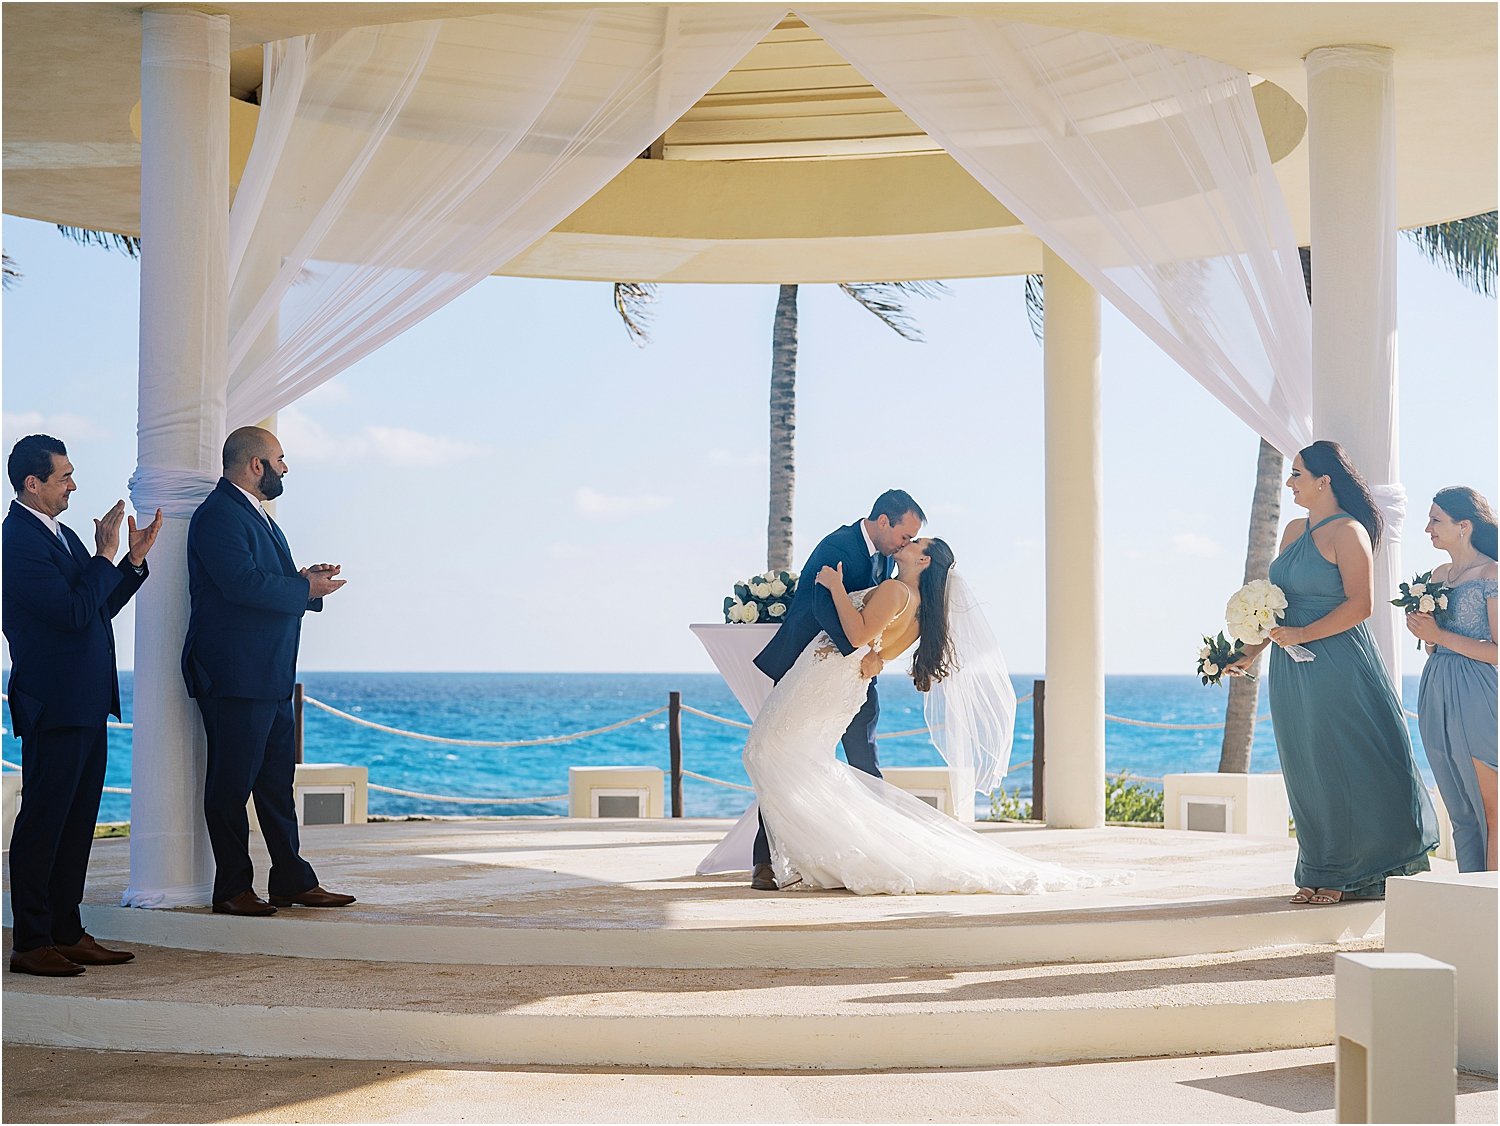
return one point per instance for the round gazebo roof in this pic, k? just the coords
(793, 168)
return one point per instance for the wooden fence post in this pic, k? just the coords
(297, 719)
(1038, 749)
(674, 734)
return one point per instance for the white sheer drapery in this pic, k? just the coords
(1143, 167)
(394, 167)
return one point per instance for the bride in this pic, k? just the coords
(832, 826)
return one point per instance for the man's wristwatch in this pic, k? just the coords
(141, 570)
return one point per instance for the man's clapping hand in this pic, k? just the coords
(322, 579)
(141, 539)
(107, 532)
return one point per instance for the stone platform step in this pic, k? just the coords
(933, 931)
(173, 1000)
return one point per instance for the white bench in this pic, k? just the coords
(1393, 1022)
(1450, 916)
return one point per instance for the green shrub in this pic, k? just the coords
(1124, 800)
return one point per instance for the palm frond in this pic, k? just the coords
(1464, 247)
(887, 301)
(126, 244)
(11, 274)
(633, 301)
(1036, 303)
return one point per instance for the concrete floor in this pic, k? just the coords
(73, 1085)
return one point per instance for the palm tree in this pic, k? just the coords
(885, 300)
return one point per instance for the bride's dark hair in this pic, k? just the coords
(934, 657)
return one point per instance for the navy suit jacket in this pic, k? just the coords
(247, 602)
(56, 611)
(813, 609)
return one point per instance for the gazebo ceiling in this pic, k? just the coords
(793, 168)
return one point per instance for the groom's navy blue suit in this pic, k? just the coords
(58, 604)
(240, 664)
(813, 612)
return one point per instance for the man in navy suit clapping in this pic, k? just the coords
(240, 663)
(58, 603)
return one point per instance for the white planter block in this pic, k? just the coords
(1450, 916)
(10, 802)
(1394, 1025)
(614, 791)
(326, 793)
(1252, 804)
(933, 784)
(733, 649)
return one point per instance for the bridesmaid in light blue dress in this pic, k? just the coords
(1457, 705)
(1361, 810)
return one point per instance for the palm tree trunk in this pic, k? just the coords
(1244, 694)
(1265, 516)
(783, 431)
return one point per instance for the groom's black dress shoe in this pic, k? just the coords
(763, 878)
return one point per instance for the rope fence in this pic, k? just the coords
(675, 708)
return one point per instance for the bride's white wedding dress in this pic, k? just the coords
(832, 826)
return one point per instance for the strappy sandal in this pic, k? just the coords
(1304, 895)
(1325, 897)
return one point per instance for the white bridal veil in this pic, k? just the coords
(971, 713)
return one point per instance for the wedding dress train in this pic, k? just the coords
(832, 826)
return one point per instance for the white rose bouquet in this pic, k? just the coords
(1423, 596)
(1253, 610)
(1217, 654)
(763, 598)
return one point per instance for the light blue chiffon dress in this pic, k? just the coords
(1458, 710)
(1361, 810)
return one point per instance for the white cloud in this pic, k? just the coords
(1196, 546)
(308, 440)
(67, 427)
(601, 506)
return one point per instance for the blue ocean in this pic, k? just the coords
(512, 706)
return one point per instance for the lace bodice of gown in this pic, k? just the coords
(1468, 610)
(832, 826)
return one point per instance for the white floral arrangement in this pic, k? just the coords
(763, 598)
(1253, 611)
(1217, 654)
(1423, 595)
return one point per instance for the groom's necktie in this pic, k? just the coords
(877, 568)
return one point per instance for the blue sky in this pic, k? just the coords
(513, 485)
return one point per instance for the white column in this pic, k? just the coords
(1074, 466)
(183, 376)
(1352, 174)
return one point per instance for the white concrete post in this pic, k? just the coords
(1075, 484)
(1351, 149)
(183, 375)
(1393, 1057)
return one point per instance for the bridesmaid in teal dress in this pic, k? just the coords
(1361, 810)
(1457, 705)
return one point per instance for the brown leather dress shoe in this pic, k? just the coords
(763, 878)
(247, 903)
(44, 961)
(87, 952)
(314, 896)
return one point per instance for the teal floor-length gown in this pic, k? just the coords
(1361, 810)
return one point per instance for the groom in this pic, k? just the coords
(864, 548)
